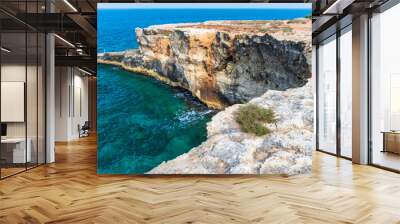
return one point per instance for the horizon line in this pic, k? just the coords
(301, 6)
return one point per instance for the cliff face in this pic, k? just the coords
(227, 150)
(267, 63)
(223, 62)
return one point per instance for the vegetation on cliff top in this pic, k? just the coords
(252, 119)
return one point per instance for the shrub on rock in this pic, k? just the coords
(252, 118)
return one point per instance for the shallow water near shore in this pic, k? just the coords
(144, 122)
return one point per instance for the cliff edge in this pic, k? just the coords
(227, 150)
(222, 62)
(267, 63)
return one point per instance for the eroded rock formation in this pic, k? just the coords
(223, 62)
(227, 150)
(267, 63)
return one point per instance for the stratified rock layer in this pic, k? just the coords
(223, 62)
(287, 150)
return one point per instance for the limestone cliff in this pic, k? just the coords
(227, 150)
(223, 62)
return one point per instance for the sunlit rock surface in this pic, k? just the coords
(287, 150)
(223, 62)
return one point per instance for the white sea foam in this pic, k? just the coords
(187, 117)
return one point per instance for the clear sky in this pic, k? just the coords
(204, 5)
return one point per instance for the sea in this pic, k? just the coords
(141, 121)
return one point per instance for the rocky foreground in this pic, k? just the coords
(227, 150)
(228, 62)
(222, 62)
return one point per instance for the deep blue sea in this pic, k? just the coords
(116, 28)
(142, 122)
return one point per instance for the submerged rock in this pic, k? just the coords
(287, 150)
(223, 62)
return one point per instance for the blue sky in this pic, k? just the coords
(204, 5)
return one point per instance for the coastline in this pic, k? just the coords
(140, 70)
(148, 72)
(218, 65)
(228, 150)
(158, 122)
(225, 69)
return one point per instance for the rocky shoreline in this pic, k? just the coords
(224, 64)
(227, 150)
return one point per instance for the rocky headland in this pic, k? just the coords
(222, 62)
(225, 64)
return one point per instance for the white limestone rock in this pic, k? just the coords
(287, 150)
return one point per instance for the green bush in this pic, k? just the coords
(251, 119)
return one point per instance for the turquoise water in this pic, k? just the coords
(143, 122)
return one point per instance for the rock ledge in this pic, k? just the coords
(222, 62)
(287, 150)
